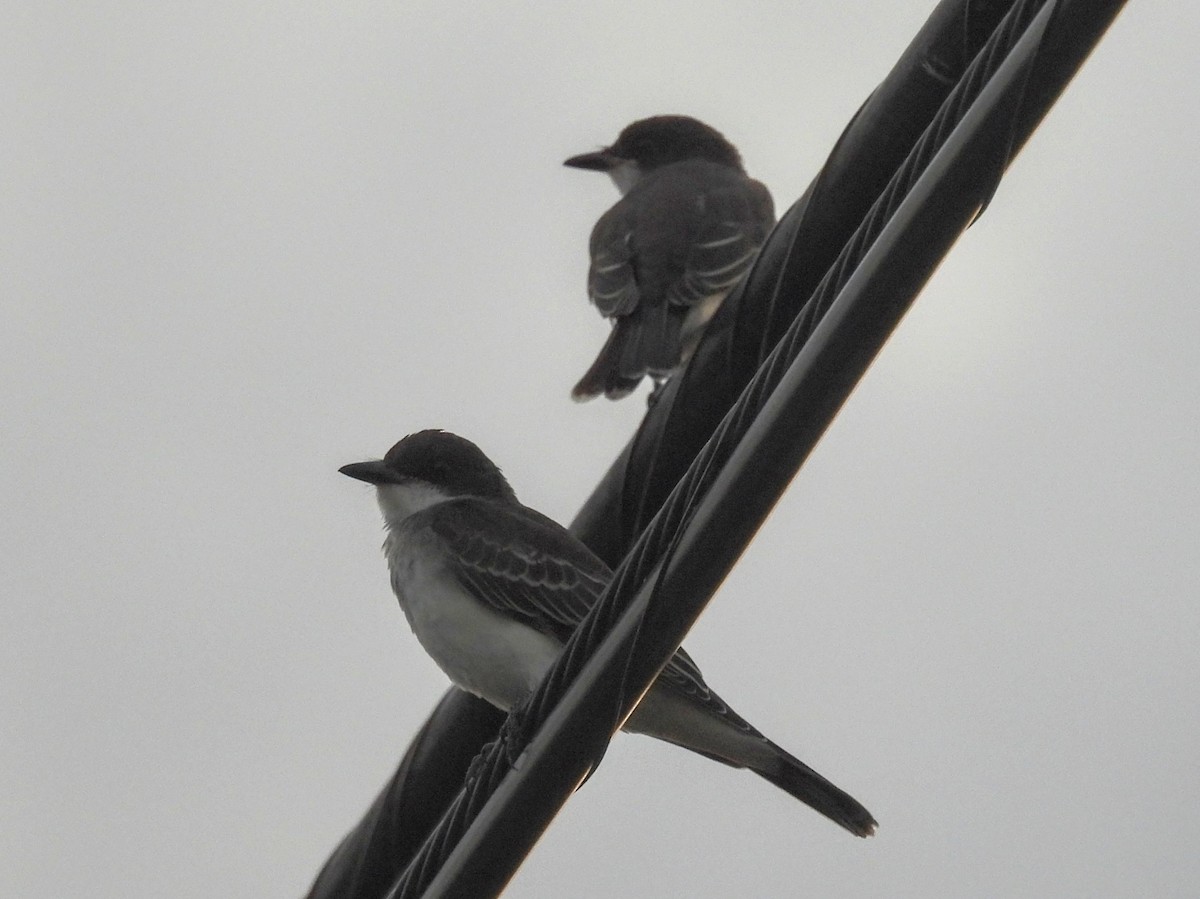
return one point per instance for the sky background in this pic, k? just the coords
(244, 244)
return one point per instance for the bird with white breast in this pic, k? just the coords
(493, 590)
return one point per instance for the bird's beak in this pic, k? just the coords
(374, 472)
(599, 161)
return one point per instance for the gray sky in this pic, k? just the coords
(241, 245)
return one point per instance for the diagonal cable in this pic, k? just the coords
(647, 553)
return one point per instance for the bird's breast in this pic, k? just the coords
(482, 651)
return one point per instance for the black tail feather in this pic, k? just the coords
(646, 342)
(654, 342)
(793, 776)
(604, 375)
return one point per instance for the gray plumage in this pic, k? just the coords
(687, 228)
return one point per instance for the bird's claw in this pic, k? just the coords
(515, 734)
(475, 768)
(653, 396)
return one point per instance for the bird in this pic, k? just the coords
(493, 590)
(687, 228)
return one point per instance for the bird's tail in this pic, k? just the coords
(645, 342)
(793, 776)
(684, 711)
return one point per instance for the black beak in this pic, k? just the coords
(599, 161)
(374, 472)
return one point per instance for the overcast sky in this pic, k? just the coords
(244, 244)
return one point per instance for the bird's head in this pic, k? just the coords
(427, 468)
(651, 143)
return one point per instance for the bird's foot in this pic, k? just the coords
(515, 733)
(479, 764)
(653, 396)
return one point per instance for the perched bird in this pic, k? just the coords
(687, 228)
(493, 590)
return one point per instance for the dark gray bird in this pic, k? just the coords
(493, 590)
(688, 226)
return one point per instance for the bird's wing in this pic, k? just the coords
(734, 222)
(528, 567)
(612, 278)
(519, 562)
(682, 676)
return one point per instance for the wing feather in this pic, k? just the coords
(734, 223)
(612, 278)
(529, 567)
(520, 562)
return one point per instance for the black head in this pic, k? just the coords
(661, 140)
(452, 464)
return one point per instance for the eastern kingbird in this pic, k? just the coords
(687, 228)
(493, 590)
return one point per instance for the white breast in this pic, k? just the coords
(625, 176)
(398, 501)
(481, 651)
